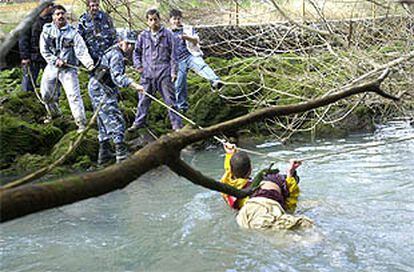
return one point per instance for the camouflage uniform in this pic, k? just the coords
(110, 120)
(98, 32)
(65, 44)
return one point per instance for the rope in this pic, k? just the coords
(39, 96)
(276, 158)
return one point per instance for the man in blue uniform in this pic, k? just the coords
(103, 88)
(154, 58)
(97, 29)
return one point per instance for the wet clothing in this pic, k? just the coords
(287, 197)
(29, 49)
(189, 57)
(239, 183)
(98, 33)
(111, 124)
(289, 191)
(261, 213)
(65, 44)
(154, 52)
(271, 194)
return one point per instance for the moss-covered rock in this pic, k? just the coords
(88, 147)
(18, 137)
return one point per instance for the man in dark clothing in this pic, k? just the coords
(31, 59)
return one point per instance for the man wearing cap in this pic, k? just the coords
(103, 88)
(31, 60)
(97, 29)
(62, 47)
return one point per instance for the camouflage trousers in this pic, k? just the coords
(111, 124)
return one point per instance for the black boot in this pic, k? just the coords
(105, 155)
(121, 152)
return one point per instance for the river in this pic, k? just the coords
(362, 204)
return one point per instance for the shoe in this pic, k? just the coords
(135, 127)
(177, 127)
(48, 120)
(81, 128)
(217, 84)
(121, 152)
(105, 154)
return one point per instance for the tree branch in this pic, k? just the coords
(31, 198)
(181, 168)
(13, 36)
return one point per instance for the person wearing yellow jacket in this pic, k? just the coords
(267, 207)
(282, 188)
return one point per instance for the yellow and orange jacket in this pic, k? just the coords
(238, 183)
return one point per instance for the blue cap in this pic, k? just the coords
(124, 34)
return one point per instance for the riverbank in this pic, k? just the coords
(252, 83)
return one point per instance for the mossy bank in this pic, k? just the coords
(27, 143)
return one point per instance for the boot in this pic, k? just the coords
(105, 155)
(121, 152)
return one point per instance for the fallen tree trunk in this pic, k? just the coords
(27, 199)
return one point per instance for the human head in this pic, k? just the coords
(93, 6)
(153, 19)
(175, 18)
(126, 39)
(59, 16)
(240, 165)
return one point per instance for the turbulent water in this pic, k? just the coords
(362, 204)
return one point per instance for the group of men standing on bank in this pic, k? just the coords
(159, 55)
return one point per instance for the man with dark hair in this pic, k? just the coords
(274, 196)
(62, 47)
(97, 30)
(189, 56)
(31, 59)
(154, 58)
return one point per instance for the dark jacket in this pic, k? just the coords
(29, 40)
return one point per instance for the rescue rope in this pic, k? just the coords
(275, 158)
(38, 95)
(72, 147)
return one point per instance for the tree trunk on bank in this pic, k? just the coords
(27, 199)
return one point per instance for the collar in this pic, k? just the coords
(65, 27)
(159, 32)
